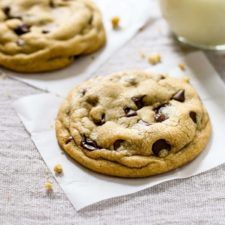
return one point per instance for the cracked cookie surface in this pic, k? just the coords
(133, 124)
(44, 35)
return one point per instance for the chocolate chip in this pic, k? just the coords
(89, 144)
(69, 140)
(138, 100)
(22, 29)
(193, 116)
(101, 121)
(129, 112)
(159, 145)
(117, 144)
(6, 10)
(179, 96)
(159, 116)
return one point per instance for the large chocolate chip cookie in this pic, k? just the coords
(133, 124)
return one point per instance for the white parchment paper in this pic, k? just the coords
(84, 187)
(133, 14)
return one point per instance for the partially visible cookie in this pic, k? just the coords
(44, 35)
(133, 124)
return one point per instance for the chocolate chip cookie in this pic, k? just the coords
(133, 124)
(44, 35)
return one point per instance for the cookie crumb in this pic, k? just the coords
(154, 59)
(58, 169)
(182, 66)
(115, 22)
(142, 55)
(48, 186)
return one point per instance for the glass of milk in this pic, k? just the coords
(200, 23)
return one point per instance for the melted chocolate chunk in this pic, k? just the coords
(129, 112)
(159, 145)
(193, 116)
(179, 96)
(117, 144)
(89, 144)
(69, 140)
(101, 121)
(138, 100)
(159, 116)
(22, 29)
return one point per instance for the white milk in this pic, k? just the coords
(199, 22)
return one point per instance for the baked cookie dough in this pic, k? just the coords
(133, 124)
(45, 35)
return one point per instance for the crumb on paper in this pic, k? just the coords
(48, 186)
(154, 59)
(115, 22)
(58, 169)
(143, 55)
(182, 66)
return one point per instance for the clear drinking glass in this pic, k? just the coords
(199, 23)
